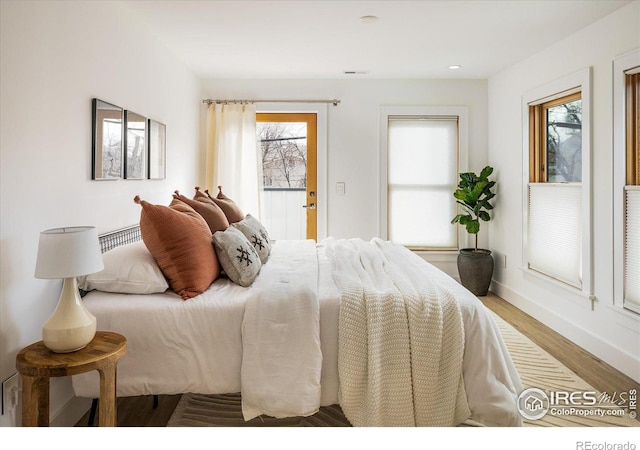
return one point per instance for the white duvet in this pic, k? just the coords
(281, 357)
(265, 341)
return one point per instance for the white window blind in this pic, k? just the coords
(421, 177)
(555, 231)
(632, 249)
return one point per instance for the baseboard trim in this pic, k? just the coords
(595, 345)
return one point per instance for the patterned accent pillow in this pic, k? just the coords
(238, 258)
(257, 235)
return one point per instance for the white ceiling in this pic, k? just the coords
(322, 39)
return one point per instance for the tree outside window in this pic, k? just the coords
(564, 142)
(284, 154)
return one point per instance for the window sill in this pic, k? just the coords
(553, 282)
(437, 256)
(626, 318)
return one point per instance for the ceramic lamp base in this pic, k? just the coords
(70, 327)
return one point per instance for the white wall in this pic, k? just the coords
(353, 136)
(601, 329)
(57, 56)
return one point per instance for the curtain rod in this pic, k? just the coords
(209, 101)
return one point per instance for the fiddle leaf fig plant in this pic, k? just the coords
(473, 195)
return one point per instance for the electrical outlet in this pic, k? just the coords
(504, 261)
(10, 393)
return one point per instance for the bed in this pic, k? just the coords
(292, 340)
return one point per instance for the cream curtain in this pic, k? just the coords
(232, 155)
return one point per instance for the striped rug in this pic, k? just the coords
(537, 369)
(225, 410)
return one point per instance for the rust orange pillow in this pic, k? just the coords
(210, 212)
(230, 208)
(180, 241)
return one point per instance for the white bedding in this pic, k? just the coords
(399, 332)
(177, 346)
(281, 356)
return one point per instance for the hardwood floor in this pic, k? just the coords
(139, 411)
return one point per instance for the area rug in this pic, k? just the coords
(225, 410)
(537, 369)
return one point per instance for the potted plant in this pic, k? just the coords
(475, 265)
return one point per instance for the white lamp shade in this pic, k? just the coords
(68, 252)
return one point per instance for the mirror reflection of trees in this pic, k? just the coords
(111, 162)
(284, 154)
(135, 150)
(106, 141)
(136, 145)
(564, 142)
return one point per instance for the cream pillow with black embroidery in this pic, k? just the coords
(238, 258)
(257, 235)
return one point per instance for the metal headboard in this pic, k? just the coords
(113, 239)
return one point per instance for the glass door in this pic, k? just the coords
(288, 144)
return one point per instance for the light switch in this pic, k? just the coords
(340, 188)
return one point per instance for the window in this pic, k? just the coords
(555, 149)
(632, 193)
(556, 141)
(632, 126)
(557, 222)
(627, 181)
(420, 173)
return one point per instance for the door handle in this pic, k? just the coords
(310, 206)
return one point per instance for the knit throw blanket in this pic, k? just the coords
(400, 341)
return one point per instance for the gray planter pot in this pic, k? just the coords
(475, 269)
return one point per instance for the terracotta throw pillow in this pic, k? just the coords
(238, 258)
(230, 208)
(180, 241)
(257, 235)
(210, 212)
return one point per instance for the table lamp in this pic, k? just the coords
(67, 253)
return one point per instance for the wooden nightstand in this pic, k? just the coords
(36, 364)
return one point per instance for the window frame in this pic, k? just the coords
(462, 113)
(538, 149)
(560, 88)
(622, 174)
(632, 123)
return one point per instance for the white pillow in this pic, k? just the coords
(238, 258)
(128, 269)
(257, 235)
